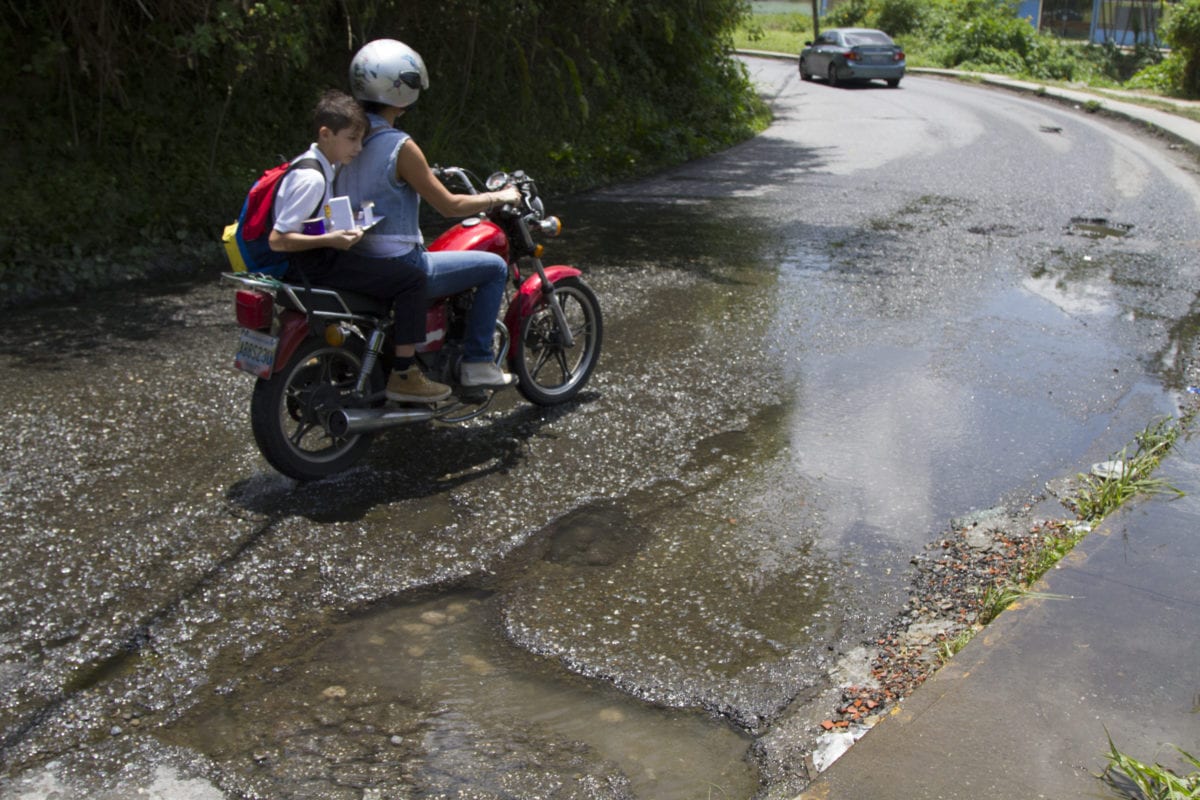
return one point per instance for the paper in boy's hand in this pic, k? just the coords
(338, 215)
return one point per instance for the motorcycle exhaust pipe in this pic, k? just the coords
(353, 421)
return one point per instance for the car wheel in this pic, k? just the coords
(805, 75)
(893, 82)
(833, 76)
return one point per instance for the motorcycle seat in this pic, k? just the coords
(322, 299)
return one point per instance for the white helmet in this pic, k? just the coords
(389, 72)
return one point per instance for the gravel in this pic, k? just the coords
(956, 576)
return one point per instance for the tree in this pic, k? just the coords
(152, 119)
(1181, 30)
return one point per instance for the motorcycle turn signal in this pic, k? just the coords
(335, 336)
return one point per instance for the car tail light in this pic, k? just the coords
(254, 309)
(898, 55)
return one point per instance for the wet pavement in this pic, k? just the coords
(1108, 649)
(814, 360)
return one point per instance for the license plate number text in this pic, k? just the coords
(256, 353)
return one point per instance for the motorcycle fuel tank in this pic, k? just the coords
(473, 234)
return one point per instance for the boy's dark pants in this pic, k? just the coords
(385, 278)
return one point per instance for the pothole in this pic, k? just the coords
(1096, 228)
(995, 229)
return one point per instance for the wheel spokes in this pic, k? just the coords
(542, 357)
(561, 353)
(301, 431)
(302, 405)
(548, 347)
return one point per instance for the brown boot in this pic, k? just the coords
(411, 386)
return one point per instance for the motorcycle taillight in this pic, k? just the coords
(254, 309)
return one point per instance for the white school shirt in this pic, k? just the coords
(303, 192)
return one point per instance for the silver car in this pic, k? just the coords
(852, 54)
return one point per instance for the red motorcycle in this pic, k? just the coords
(321, 355)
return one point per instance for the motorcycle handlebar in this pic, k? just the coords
(442, 173)
(530, 209)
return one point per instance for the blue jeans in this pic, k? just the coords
(453, 271)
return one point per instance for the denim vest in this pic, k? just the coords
(371, 177)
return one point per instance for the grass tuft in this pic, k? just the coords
(998, 598)
(1100, 495)
(1097, 497)
(1140, 781)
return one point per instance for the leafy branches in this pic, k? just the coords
(1181, 29)
(145, 122)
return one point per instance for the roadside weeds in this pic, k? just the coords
(1140, 781)
(985, 563)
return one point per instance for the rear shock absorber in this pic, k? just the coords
(370, 359)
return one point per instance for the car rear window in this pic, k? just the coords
(867, 37)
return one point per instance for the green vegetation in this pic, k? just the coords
(949, 648)
(1181, 30)
(133, 130)
(988, 36)
(1100, 495)
(774, 33)
(996, 599)
(1140, 781)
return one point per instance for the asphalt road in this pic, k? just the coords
(893, 307)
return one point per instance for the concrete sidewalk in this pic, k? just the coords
(1024, 711)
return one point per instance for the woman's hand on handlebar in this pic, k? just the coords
(509, 195)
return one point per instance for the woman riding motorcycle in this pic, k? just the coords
(387, 77)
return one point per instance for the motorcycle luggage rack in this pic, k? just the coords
(291, 292)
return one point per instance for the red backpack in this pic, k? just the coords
(245, 240)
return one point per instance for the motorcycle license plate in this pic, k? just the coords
(256, 353)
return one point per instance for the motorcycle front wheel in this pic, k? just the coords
(289, 412)
(549, 372)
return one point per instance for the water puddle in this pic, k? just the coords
(1079, 299)
(440, 689)
(1097, 228)
(447, 647)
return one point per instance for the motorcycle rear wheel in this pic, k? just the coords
(549, 372)
(289, 412)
